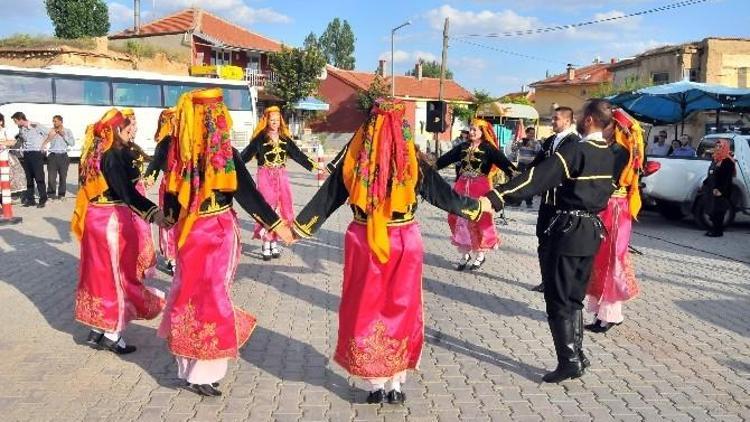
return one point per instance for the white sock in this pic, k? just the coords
(266, 246)
(375, 386)
(395, 385)
(97, 331)
(115, 337)
(480, 257)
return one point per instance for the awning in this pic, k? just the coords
(312, 104)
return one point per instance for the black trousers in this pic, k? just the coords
(523, 167)
(57, 165)
(33, 166)
(565, 281)
(542, 223)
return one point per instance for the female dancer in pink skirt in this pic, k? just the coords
(478, 159)
(271, 145)
(109, 209)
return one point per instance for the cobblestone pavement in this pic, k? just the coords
(683, 352)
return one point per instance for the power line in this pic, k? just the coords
(510, 53)
(521, 33)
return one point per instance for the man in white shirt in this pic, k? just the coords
(659, 146)
(59, 139)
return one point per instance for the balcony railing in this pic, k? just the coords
(258, 79)
(253, 76)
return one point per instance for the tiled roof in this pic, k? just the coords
(202, 22)
(406, 86)
(588, 75)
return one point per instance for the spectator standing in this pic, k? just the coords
(17, 182)
(686, 148)
(659, 146)
(32, 135)
(526, 151)
(58, 140)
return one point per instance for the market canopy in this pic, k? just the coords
(507, 110)
(311, 104)
(672, 103)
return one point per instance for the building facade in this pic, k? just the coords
(570, 89)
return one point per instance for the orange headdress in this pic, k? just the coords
(381, 171)
(263, 123)
(629, 134)
(166, 124)
(200, 155)
(98, 140)
(488, 132)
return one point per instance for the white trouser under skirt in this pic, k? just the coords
(387, 383)
(197, 371)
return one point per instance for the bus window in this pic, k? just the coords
(25, 89)
(172, 93)
(136, 94)
(80, 91)
(237, 99)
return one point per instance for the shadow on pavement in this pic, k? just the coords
(729, 314)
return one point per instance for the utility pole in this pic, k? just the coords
(443, 66)
(137, 17)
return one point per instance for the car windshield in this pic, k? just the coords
(706, 147)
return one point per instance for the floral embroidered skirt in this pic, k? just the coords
(110, 290)
(470, 236)
(200, 321)
(273, 184)
(381, 325)
(612, 278)
(167, 237)
(146, 251)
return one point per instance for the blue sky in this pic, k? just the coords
(474, 67)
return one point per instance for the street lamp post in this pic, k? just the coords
(393, 76)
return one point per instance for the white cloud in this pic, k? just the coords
(234, 10)
(484, 21)
(411, 57)
(471, 64)
(559, 4)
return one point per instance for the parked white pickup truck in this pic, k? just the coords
(675, 187)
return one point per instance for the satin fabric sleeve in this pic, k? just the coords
(250, 199)
(546, 175)
(499, 159)
(158, 161)
(435, 190)
(251, 150)
(450, 157)
(326, 200)
(113, 168)
(300, 157)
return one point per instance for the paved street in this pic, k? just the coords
(683, 352)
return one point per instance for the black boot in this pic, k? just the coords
(568, 361)
(578, 330)
(94, 338)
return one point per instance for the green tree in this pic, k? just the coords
(297, 73)
(337, 44)
(516, 99)
(378, 88)
(481, 97)
(632, 83)
(311, 41)
(430, 70)
(78, 18)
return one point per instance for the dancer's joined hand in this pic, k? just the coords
(486, 204)
(160, 220)
(285, 233)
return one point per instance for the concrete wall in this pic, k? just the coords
(171, 42)
(343, 114)
(572, 96)
(727, 62)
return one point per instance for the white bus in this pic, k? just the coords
(81, 95)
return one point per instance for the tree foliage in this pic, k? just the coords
(378, 88)
(311, 41)
(632, 83)
(430, 70)
(78, 18)
(337, 44)
(516, 99)
(297, 73)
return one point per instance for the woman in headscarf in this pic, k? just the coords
(381, 322)
(272, 145)
(717, 189)
(167, 236)
(109, 208)
(612, 280)
(479, 161)
(204, 175)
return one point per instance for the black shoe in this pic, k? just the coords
(207, 390)
(539, 288)
(275, 253)
(590, 327)
(41, 204)
(599, 328)
(113, 346)
(376, 397)
(396, 397)
(93, 339)
(714, 234)
(463, 263)
(170, 267)
(28, 203)
(477, 264)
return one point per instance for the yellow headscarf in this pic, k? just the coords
(488, 132)
(98, 140)
(381, 171)
(200, 154)
(128, 112)
(263, 123)
(166, 124)
(629, 134)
